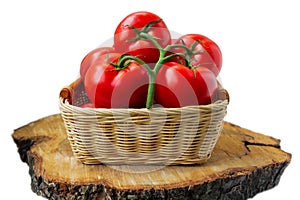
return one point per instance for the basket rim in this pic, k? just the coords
(65, 102)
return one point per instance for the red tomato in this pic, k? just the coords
(108, 87)
(178, 86)
(92, 57)
(211, 58)
(144, 49)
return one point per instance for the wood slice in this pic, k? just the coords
(243, 164)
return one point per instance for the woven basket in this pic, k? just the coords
(156, 136)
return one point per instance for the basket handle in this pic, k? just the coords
(66, 93)
(222, 94)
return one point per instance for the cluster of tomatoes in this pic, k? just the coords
(145, 66)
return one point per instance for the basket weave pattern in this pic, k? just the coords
(159, 136)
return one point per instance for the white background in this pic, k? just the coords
(42, 44)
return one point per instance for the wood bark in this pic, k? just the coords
(243, 164)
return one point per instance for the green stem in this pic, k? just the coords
(152, 73)
(146, 36)
(162, 58)
(151, 88)
(124, 58)
(173, 46)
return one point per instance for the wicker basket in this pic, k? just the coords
(156, 136)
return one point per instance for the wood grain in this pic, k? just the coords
(243, 164)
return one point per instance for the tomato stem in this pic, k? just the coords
(149, 37)
(145, 30)
(173, 46)
(124, 58)
(151, 88)
(152, 73)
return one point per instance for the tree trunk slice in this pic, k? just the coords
(243, 164)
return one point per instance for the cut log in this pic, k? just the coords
(243, 164)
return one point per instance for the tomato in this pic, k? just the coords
(108, 87)
(178, 85)
(92, 57)
(124, 36)
(211, 58)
